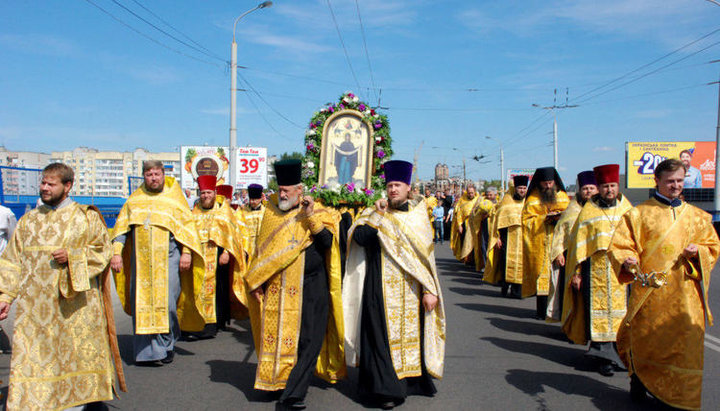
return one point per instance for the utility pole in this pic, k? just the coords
(464, 176)
(554, 107)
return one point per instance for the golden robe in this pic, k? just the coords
(279, 262)
(484, 209)
(61, 350)
(537, 240)
(218, 227)
(509, 216)
(590, 239)
(462, 244)
(408, 269)
(560, 243)
(431, 203)
(661, 338)
(252, 219)
(155, 216)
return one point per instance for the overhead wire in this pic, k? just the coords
(342, 43)
(279, 114)
(269, 124)
(144, 20)
(367, 54)
(152, 39)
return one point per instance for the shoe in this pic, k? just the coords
(638, 392)
(169, 358)
(387, 405)
(606, 370)
(294, 404)
(504, 290)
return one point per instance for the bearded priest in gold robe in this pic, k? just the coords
(594, 300)
(505, 246)
(587, 188)
(155, 242)
(665, 249)
(55, 270)
(461, 236)
(222, 290)
(545, 201)
(392, 301)
(295, 281)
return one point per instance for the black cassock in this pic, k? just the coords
(314, 318)
(378, 379)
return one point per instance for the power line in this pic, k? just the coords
(281, 115)
(648, 94)
(175, 29)
(367, 54)
(649, 73)
(249, 97)
(199, 50)
(347, 56)
(648, 64)
(158, 42)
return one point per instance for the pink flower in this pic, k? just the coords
(369, 191)
(361, 107)
(378, 125)
(380, 154)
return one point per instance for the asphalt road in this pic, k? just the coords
(498, 357)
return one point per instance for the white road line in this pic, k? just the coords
(712, 346)
(712, 339)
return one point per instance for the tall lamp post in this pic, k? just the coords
(233, 97)
(502, 162)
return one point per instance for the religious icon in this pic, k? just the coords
(346, 155)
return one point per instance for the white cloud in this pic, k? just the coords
(38, 44)
(603, 148)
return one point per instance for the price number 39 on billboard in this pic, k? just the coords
(249, 165)
(647, 163)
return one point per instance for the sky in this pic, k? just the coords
(447, 73)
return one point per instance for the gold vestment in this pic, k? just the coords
(408, 269)
(252, 220)
(155, 216)
(590, 239)
(537, 240)
(661, 338)
(218, 227)
(484, 209)
(560, 243)
(462, 244)
(279, 263)
(61, 350)
(509, 216)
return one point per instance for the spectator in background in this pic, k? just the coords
(438, 220)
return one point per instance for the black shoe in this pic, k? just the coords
(638, 392)
(169, 358)
(387, 405)
(504, 290)
(293, 405)
(606, 370)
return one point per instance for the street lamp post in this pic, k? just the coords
(502, 162)
(233, 97)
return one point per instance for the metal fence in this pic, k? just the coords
(133, 184)
(18, 183)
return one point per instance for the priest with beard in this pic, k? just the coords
(392, 301)
(295, 281)
(545, 201)
(461, 234)
(586, 188)
(252, 213)
(595, 302)
(505, 246)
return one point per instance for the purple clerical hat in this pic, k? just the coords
(255, 191)
(586, 178)
(398, 170)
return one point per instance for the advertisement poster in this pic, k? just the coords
(642, 158)
(251, 166)
(202, 160)
(512, 172)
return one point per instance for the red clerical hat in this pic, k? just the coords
(225, 190)
(609, 173)
(206, 182)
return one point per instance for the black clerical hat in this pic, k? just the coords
(288, 172)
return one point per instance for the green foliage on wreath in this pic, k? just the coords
(347, 194)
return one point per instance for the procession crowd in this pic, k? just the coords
(327, 287)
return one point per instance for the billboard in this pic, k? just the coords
(512, 172)
(202, 160)
(642, 157)
(251, 166)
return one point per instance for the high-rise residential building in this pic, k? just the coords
(21, 182)
(442, 176)
(105, 173)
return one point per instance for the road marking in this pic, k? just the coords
(712, 346)
(713, 339)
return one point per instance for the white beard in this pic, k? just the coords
(285, 205)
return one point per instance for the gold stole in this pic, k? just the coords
(483, 209)
(278, 264)
(462, 244)
(508, 215)
(590, 238)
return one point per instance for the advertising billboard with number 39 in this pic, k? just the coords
(251, 166)
(642, 158)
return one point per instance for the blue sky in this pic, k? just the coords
(451, 73)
